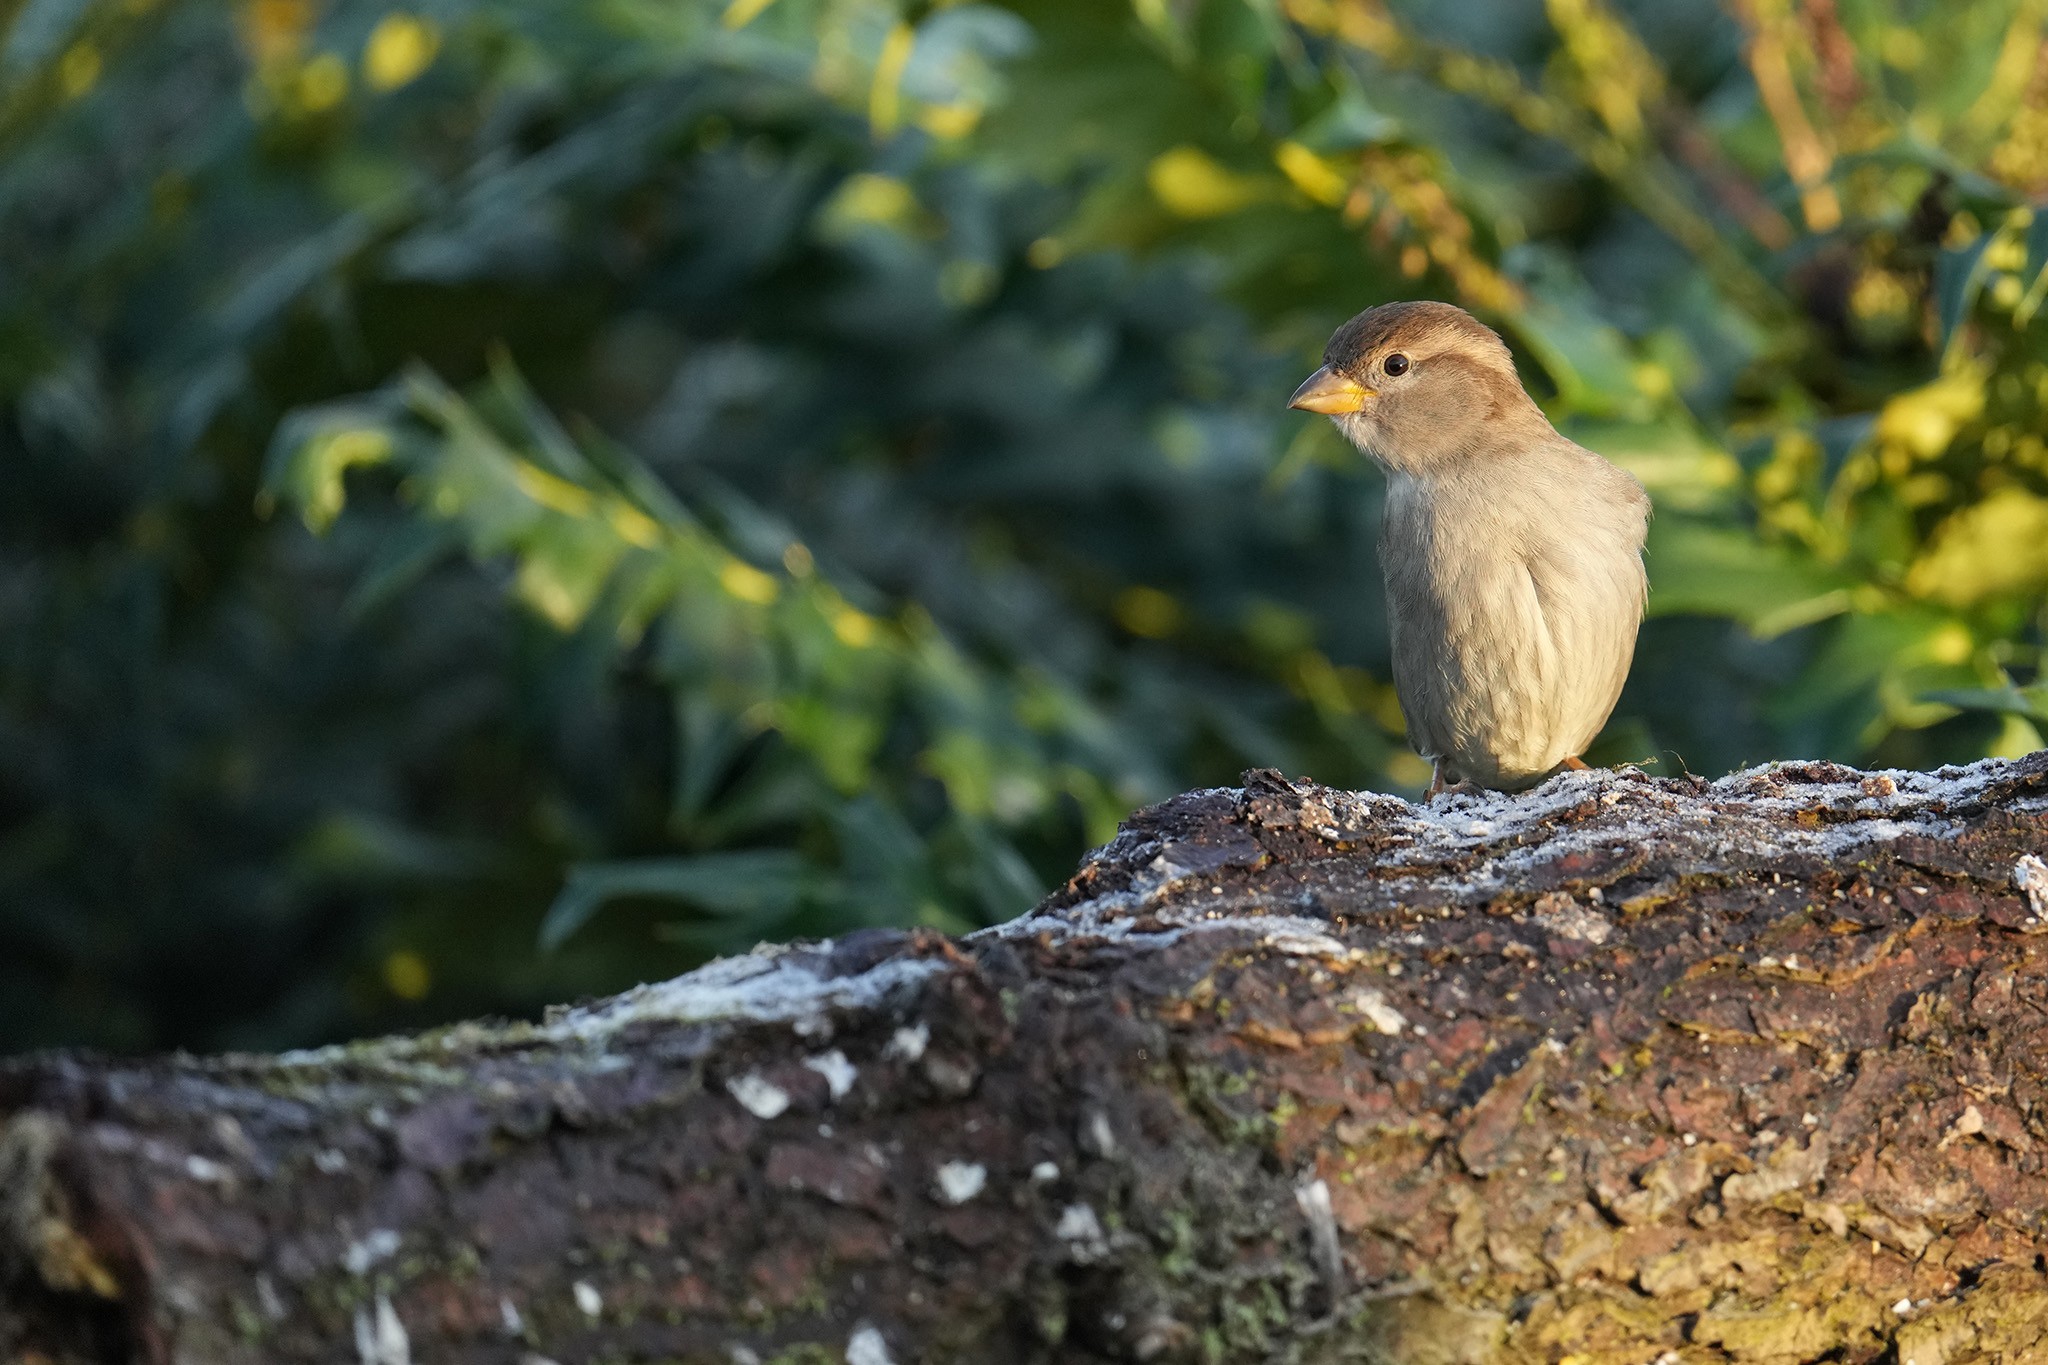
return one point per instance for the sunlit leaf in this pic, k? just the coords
(1719, 570)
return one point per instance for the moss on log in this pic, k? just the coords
(1621, 1070)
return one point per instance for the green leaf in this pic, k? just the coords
(1958, 276)
(315, 448)
(2030, 702)
(1712, 569)
(755, 884)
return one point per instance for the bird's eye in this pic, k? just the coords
(1395, 364)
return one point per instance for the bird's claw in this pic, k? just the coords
(1439, 787)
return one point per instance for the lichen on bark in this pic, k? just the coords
(1619, 1070)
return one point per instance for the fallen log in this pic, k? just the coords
(1618, 1070)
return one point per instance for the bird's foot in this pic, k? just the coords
(1575, 764)
(1438, 785)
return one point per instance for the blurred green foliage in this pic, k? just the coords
(652, 475)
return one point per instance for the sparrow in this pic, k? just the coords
(1513, 558)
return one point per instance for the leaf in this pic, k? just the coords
(315, 448)
(1683, 471)
(1712, 569)
(745, 883)
(2029, 702)
(1584, 355)
(1997, 547)
(1349, 123)
(1958, 275)
(398, 562)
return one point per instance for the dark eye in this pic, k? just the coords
(1395, 364)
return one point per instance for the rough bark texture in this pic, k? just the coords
(1620, 1070)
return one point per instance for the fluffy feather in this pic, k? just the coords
(1512, 557)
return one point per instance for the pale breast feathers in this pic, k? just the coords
(1514, 622)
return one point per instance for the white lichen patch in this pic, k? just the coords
(1746, 817)
(775, 983)
(1495, 839)
(379, 1246)
(2030, 875)
(1372, 1006)
(960, 1181)
(867, 1346)
(762, 1098)
(206, 1171)
(1081, 1231)
(908, 1043)
(1562, 916)
(1112, 918)
(1292, 938)
(771, 984)
(380, 1337)
(1313, 1199)
(839, 1073)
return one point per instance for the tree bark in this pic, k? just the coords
(1620, 1070)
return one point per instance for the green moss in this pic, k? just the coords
(465, 1262)
(1177, 1261)
(814, 1299)
(1049, 1316)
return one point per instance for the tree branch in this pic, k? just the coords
(1619, 1070)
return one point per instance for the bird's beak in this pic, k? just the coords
(1326, 391)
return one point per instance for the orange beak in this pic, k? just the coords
(1330, 393)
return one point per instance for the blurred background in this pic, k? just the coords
(502, 499)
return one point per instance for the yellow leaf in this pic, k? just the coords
(551, 491)
(749, 584)
(401, 46)
(1998, 546)
(79, 71)
(1192, 184)
(1148, 612)
(1926, 419)
(275, 30)
(855, 628)
(740, 13)
(1311, 174)
(323, 83)
(2017, 738)
(327, 459)
(871, 198)
(885, 99)
(541, 585)
(949, 121)
(407, 976)
(633, 525)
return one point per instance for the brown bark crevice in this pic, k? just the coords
(1617, 1071)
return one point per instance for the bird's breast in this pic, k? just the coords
(1513, 619)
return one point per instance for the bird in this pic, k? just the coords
(1512, 556)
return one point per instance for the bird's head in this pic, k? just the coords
(1415, 385)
